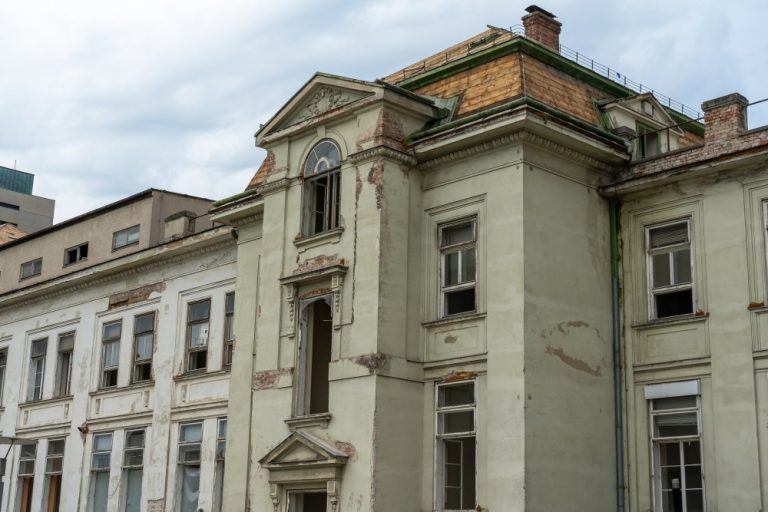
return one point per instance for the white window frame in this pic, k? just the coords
(444, 251)
(229, 330)
(3, 368)
(670, 249)
(64, 365)
(439, 477)
(77, 251)
(35, 392)
(329, 172)
(136, 362)
(188, 349)
(656, 442)
(36, 267)
(112, 368)
(131, 235)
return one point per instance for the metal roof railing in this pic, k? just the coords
(627, 82)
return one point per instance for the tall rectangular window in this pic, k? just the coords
(133, 468)
(229, 328)
(198, 321)
(670, 269)
(676, 436)
(124, 237)
(27, 455)
(3, 362)
(314, 357)
(458, 273)
(110, 353)
(64, 364)
(456, 447)
(36, 369)
(31, 269)
(190, 441)
(54, 464)
(221, 451)
(143, 345)
(100, 462)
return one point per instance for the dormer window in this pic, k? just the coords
(322, 189)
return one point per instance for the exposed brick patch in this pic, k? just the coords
(541, 26)
(376, 178)
(319, 262)
(457, 376)
(134, 296)
(269, 379)
(347, 448)
(371, 361)
(266, 168)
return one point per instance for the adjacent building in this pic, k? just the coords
(18, 206)
(115, 346)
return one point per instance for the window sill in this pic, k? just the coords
(330, 236)
(672, 320)
(115, 389)
(311, 420)
(115, 249)
(200, 373)
(453, 319)
(46, 401)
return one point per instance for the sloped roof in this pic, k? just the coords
(9, 233)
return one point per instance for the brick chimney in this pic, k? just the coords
(725, 117)
(541, 26)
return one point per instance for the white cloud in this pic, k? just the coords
(101, 100)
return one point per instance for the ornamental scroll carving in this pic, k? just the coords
(325, 99)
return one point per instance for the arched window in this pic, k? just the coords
(322, 188)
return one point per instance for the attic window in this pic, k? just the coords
(75, 254)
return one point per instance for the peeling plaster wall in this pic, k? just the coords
(724, 346)
(569, 425)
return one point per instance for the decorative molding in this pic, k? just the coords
(519, 136)
(325, 99)
(383, 152)
(273, 186)
(88, 281)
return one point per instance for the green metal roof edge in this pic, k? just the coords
(531, 48)
(522, 101)
(236, 197)
(685, 122)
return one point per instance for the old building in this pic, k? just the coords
(693, 233)
(115, 345)
(437, 323)
(18, 206)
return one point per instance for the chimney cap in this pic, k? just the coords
(728, 99)
(535, 8)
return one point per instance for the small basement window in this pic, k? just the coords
(75, 254)
(670, 269)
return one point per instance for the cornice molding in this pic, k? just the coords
(518, 136)
(86, 282)
(383, 152)
(273, 186)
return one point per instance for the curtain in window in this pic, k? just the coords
(133, 490)
(99, 491)
(190, 488)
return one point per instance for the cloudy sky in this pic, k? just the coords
(103, 99)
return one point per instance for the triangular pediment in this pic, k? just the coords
(302, 448)
(319, 96)
(645, 108)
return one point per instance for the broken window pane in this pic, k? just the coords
(460, 301)
(674, 303)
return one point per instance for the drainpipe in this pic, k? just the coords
(617, 387)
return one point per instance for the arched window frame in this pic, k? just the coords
(322, 188)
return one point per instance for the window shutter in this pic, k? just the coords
(669, 235)
(67, 343)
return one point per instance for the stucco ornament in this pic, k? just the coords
(325, 99)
